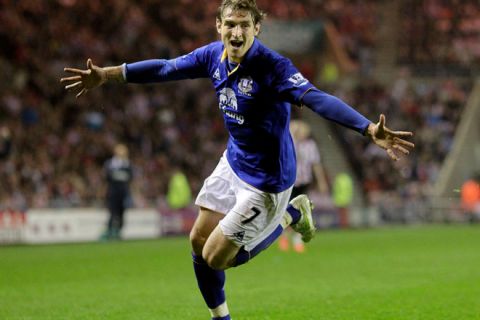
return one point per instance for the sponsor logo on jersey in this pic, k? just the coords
(228, 101)
(245, 86)
(298, 80)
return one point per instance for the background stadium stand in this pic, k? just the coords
(399, 58)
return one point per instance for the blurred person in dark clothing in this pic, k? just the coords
(5, 142)
(119, 173)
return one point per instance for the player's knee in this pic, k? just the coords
(215, 261)
(197, 241)
(216, 258)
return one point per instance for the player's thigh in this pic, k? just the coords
(205, 223)
(219, 251)
(254, 217)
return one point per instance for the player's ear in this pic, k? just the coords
(257, 29)
(219, 25)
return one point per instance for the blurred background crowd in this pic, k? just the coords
(55, 145)
(439, 34)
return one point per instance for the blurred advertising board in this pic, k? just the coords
(73, 225)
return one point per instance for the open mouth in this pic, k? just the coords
(236, 43)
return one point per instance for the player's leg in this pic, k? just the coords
(288, 234)
(205, 223)
(255, 221)
(252, 225)
(111, 223)
(247, 229)
(300, 206)
(117, 217)
(120, 214)
(209, 280)
(219, 251)
(217, 196)
(297, 214)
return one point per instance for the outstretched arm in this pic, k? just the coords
(189, 66)
(94, 76)
(338, 111)
(392, 141)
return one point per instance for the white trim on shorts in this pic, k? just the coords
(251, 215)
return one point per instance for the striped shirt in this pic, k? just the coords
(307, 156)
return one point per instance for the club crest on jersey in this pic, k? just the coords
(298, 80)
(245, 86)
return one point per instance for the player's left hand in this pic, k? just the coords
(392, 141)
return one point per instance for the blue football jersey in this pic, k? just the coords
(254, 98)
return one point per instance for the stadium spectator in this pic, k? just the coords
(470, 193)
(179, 194)
(342, 192)
(310, 176)
(440, 35)
(244, 202)
(435, 109)
(119, 174)
(5, 142)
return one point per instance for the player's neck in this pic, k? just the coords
(231, 65)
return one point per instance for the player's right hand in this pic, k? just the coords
(83, 80)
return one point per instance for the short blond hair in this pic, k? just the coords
(248, 5)
(121, 150)
(299, 129)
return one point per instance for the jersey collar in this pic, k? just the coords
(246, 59)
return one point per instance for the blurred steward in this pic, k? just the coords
(342, 197)
(119, 174)
(179, 195)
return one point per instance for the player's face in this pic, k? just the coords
(237, 31)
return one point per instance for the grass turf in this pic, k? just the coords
(428, 272)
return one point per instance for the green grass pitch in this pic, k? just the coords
(421, 272)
